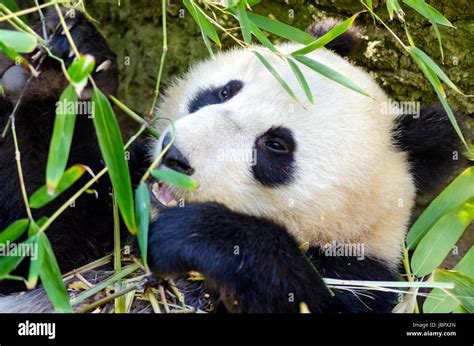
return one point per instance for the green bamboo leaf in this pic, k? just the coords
(438, 301)
(438, 17)
(20, 42)
(463, 292)
(262, 38)
(175, 178)
(454, 195)
(11, 5)
(336, 31)
(36, 261)
(275, 74)
(232, 3)
(81, 68)
(431, 64)
(281, 29)
(394, 6)
(207, 28)
(11, 53)
(438, 87)
(328, 72)
(428, 11)
(111, 146)
(41, 197)
(51, 277)
(10, 263)
(61, 139)
(441, 238)
(142, 206)
(244, 21)
(433, 16)
(14, 231)
(301, 79)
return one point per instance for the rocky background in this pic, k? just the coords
(133, 30)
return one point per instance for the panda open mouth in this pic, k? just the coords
(163, 194)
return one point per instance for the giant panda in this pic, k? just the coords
(278, 179)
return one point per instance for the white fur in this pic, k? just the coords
(351, 185)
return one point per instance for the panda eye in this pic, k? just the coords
(224, 93)
(277, 145)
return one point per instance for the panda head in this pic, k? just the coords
(327, 171)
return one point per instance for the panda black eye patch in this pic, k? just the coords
(215, 95)
(275, 158)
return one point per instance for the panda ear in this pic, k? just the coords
(345, 44)
(434, 149)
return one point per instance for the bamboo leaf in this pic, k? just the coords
(463, 292)
(20, 42)
(207, 28)
(61, 138)
(275, 74)
(111, 146)
(37, 261)
(438, 17)
(336, 31)
(244, 21)
(14, 231)
(433, 16)
(10, 263)
(428, 11)
(41, 197)
(328, 72)
(454, 195)
(142, 206)
(262, 38)
(436, 69)
(438, 301)
(11, 53)
(175, 178)
(301, 79)
(394, 6)
(438, 87)
(441, 238)
(51, 277)
(81, 68)
(281, 29)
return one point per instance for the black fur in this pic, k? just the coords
(345, 44)
(255, 262)
(215, 95)
(433, 147)
(272, 168)
(83, 232)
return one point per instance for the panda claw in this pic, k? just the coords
(36, 56)
(104, 66)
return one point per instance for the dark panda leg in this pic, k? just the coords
(84, 231)
(254, 262)
(433, 147)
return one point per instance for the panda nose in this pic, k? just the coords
(174, 159)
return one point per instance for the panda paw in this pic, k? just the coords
(51, 81)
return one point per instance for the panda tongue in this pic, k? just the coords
(163, 195)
